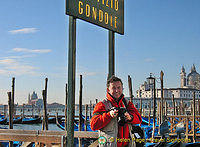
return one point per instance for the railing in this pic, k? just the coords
(45, 137)
(190, 128)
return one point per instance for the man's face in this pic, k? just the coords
(115, 89)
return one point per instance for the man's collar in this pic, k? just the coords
(116, 99)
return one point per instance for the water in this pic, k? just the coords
(52, 127)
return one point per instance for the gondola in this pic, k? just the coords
(85, 141)
(31, 120)
(3, 120)
(17, 120)
(52, 120)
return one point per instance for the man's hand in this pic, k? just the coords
(128, 116)
(113, 113)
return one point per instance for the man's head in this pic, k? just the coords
(115, 86)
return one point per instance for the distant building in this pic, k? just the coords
(33, 98)
(192, 80)
(188, 85)
(39, 103)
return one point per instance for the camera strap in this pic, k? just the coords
(125, 103)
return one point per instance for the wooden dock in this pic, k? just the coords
(47, 137)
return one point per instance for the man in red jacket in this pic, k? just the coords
(106, 120)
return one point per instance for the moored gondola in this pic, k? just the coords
(31, 120)
(3, 120)
(17, 120)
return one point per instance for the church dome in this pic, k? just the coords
(34, 96)
(193, 78)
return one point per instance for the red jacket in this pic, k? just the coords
(101, 118)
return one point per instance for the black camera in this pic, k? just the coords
(121, 117)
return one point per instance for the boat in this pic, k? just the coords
(17, 120)
(3, 120)
(52, 120)
(31, 120)
(85, 141)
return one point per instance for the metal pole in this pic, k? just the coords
(66, 96)
(80, 109)
(71, 81)
(111, 54)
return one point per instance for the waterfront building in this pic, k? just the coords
(188, 84)
(34, 100)
(192, 80)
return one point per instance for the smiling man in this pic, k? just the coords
(112, 116)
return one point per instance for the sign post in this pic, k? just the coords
(111, 64)
(108, 14)
(71, 81)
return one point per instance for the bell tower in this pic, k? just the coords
(183, 77)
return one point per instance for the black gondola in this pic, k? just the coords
(31, 120)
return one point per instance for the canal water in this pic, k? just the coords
(52, 127)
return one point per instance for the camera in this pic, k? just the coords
(121, 117)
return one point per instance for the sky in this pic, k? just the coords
(158, 35)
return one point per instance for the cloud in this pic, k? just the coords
(24, 31)
(14, 67)
(7, 61)
(18, 57)
(31, 51)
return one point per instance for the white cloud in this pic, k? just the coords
(18, 57)
(14, 67)
(7, 61)
(31, 51)
(24, 31)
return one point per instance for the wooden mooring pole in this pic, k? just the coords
(130, 88)
(23, 111)
(96, 101)
(32, 110)
(86, 115)
(154, 107)
(166, 109)
(149, 113)
(90, 109)
(194, 120)
(45, 117)
(173, 103)
(141, 107)
(162, 98)
(4, 110)
(10, 115)
(198, 107)
(13, 95)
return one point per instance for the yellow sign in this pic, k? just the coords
(105, 13)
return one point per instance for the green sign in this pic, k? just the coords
(105, 13)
